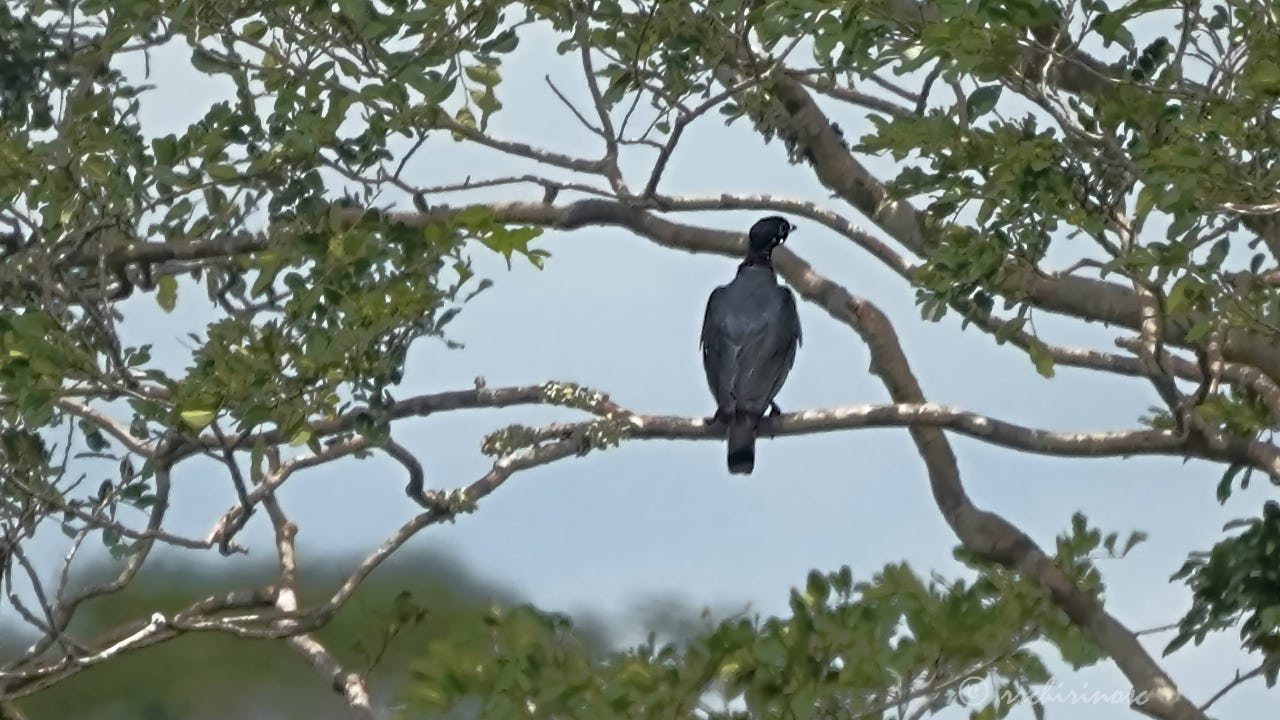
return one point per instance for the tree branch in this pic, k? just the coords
(350, 685)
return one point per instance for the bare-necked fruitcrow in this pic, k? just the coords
(749, 339)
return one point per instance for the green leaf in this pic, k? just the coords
(843, 580)
(982, 101)
(1178, 641)
(302, 437)
(466, 118)
(488, 104)
(435, 87)
(1198, 330)
(1041, 357)
(1218, 253)
(484, 75)
(355, 10)
(222, 172)
(1146, 200)
(95, 441)
(165, 149)
(1224, 485)
(1264, 76)
(180, 210)
(505, 42)
(208, 63)
(1220, 18)
(96, 167)
(1009, 329)
(817, 589)
(197, 420)
(1135, 537)
(167, 292)
(254, 30)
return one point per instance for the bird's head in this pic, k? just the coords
(767, 234)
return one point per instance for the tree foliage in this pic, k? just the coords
(849, 650)
(1107, 164)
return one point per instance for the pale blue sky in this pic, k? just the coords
(657, 519)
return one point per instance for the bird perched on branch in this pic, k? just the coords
(749, 338)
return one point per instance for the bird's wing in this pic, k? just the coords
(718, 358)
(790, 318)
(766, 355)
(714, 307)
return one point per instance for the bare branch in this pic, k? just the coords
(415, 488)
(139, 555)
(232, 520)
(688, 116)
(25, 682)
(446, 508)
(112, 428)
(237, 480)
(610, 160)
(546, 157)
(1238, 680)
(851, 96)
(564, 100)
(419, 406)
(349, 684)
(545, 183)
(896, 89)
(803, 208)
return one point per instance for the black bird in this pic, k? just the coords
(749, 339)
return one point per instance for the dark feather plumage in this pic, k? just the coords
(749, 338)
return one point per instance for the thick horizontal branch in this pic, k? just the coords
(418, 406)
(980, 427)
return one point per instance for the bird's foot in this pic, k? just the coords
(770, 421)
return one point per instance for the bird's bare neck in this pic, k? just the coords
(756, 260)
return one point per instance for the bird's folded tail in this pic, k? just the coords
(742, 443)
